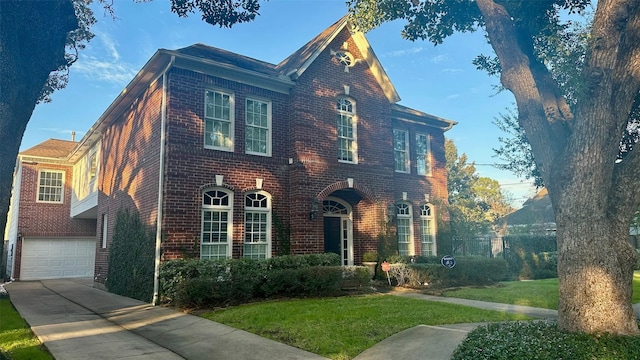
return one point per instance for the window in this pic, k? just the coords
(257, 229)
(93, 166)
(216, 224)
(104, 231)
(258, 127)
(347, 146)
(218, 123)
(405, 232)
(50, 186)
(427, 231)
(423, 153)
(401, 150)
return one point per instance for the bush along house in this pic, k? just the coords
(228, 156)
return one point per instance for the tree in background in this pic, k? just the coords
(575, 147)
(476, 204)
(40, 40)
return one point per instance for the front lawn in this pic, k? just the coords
(17, 342)
(536, 293)
(343, 327)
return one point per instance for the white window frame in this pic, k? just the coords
(211, 118)
(41, 187)
(348, 115)
(268, 128)
(404, 222)
(423, 168)
(249, 230)
(228, 209)
(105, 223)
(397, 152)
(428, 230)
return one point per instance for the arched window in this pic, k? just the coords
(217, 224)
(427, 230)
(346, 128)
(257, 225)
(405, 229)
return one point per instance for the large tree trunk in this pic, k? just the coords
(593, 197)
(595, 268)
(33, 35)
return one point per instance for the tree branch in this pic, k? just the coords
(518, 77)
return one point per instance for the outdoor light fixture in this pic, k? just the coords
(314, 209)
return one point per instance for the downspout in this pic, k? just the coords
(163, 121)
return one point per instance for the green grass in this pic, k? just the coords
(536, 293)
(342, 327)
(17, 342)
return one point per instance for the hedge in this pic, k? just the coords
(469, 270)
(531, 256)
(199, 283)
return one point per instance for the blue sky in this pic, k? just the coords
(439, 80)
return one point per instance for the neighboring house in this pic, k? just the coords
(217, 152)
(536, 216)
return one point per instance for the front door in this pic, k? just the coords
(332, 235)
(338, 233)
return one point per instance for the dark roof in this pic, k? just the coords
(52, 148)
(536, 210)
(297, 60)
(217, 55)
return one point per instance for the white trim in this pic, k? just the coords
(232, 115)
(269, 125)
(345, 220)
(228, 209)
(407, 151)
(267, 210)
(40, 171)
(411, 238)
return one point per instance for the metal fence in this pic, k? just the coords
(478, 246)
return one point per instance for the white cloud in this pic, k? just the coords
(452, 70)
(439, 58)
(399, 53)
(106, 66)
(453, 96)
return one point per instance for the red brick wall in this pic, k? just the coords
(190, 167)
(129, 167)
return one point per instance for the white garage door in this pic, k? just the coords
(57, 258)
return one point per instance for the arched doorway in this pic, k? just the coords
(338, 229)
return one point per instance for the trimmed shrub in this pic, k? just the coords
(131, 257)
(199, 283)
(541, 340)
(421, 271)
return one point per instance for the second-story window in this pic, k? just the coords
(423, 154)
(219, 116)
(51, 186)
(346, 126)
(401, 150)
(258, 127)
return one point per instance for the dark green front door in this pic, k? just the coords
(332, 235)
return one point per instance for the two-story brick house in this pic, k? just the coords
(220, 152)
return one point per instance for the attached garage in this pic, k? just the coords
(54, 258)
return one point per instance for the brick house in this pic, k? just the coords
(220, 152)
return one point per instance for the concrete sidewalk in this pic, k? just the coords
(77, 321)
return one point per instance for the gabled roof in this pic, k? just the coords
(52, 148)
(298, 62)
(221, 56)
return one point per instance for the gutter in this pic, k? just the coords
(163, 121)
